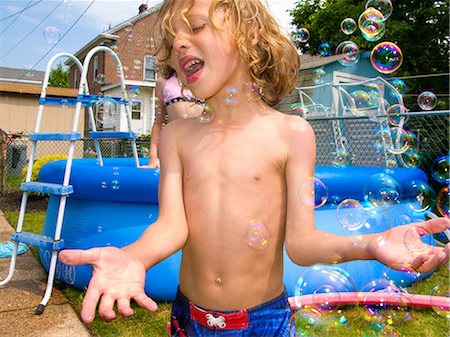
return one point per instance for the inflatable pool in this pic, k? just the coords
(114, 203)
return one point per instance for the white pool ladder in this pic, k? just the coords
(62, 190)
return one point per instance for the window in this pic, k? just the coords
(95, 73)
(136, 108)
(75, 78)
(150, 73)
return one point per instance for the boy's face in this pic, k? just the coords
(205, 58)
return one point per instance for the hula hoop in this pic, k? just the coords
(370, 298)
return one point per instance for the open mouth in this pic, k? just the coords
(191, 69)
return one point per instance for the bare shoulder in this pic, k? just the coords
(291, 125)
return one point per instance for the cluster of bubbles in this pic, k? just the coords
(386, 57)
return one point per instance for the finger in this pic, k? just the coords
(146, 302)
(436, 225)
(432, 262)
(75, 257)
(106, 308)
(124, 308)
(90, 304)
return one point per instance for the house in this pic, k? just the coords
(131, 41)
(19, 105)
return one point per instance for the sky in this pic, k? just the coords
(32, 31)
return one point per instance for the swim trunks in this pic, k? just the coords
(270, 319)
(172, 92)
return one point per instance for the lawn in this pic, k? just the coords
(346, 321)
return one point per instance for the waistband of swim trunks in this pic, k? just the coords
(278, 302)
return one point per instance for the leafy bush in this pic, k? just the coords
(38, 165)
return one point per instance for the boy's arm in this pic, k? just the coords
(119, 274)
(307, 245)
(169, 233)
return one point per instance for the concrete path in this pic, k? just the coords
(23, 293)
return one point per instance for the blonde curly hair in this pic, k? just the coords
(273, 62)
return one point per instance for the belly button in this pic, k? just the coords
(218, 281)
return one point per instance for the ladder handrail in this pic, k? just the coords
(84, 90)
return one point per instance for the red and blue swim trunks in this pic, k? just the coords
(270, 319)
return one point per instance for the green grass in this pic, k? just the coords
(407, 323)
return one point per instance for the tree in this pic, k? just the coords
(59, 77)
(419, 27)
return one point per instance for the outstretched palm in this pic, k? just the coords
(403, 246)
(117, 277)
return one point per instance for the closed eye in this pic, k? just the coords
(198, 28)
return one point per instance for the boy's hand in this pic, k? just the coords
(117, 277)
(402, 246)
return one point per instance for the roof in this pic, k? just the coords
(16, 75)
(36, 89)
(309, 61)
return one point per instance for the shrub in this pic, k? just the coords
(38, 165)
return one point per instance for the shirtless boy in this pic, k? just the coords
(242, 165)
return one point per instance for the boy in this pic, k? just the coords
(229, 186)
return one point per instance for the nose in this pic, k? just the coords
(180, 42)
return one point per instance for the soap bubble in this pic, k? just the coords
(318, 76)
(402, 274)
(298, 109)
(348, 26)
(107, 111)
(384, 6)
(427, 100)
(386, 57)
(443, 201)
(398, 84)
(371, 24)
(341, 158)
(396, 114)
(253, 92)
(256, 235)
(206, 116)
(399, 143)
(412, 159)
(324, 49)
(440, 170)
(317, 279)
(418, 240)
(382, 190)
(361, 98)
(134, 91)
(441, 307)
(350, 51)
(231, 95)
(100, 78)
(422, 197)
(351, 215)
(313, 192)
(323, 4)
(300, 35)
(52, 34)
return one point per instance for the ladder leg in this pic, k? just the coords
(48, 290)
(12, 265)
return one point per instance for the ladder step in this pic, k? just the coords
(55, 136)
(37, 240)
(63, 101)
(112, 135)
(88, 100)
(46, 188)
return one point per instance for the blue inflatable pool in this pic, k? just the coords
(113, 204)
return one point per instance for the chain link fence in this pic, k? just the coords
(15, 151)
(359, 136)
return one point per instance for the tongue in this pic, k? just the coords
(194, 68)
